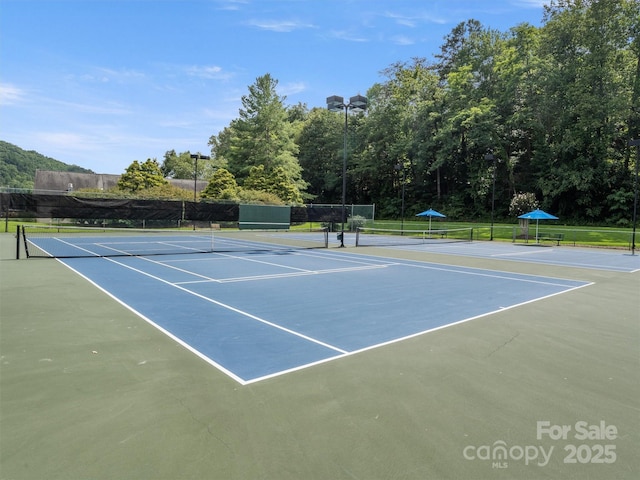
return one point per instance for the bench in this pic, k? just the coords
(554, 237)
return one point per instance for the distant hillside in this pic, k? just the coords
(18, 167)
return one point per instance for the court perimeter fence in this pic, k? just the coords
(548, 234)
(63, 208)
(58, 207)
(558, 235)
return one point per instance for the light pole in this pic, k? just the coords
(635, 143)
(400, 167)
(196, 157)
(357, 103)
(491, 157)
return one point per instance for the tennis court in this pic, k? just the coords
(562, 256)
(265, 361)
(236, 310)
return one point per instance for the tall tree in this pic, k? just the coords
(262, 135)
(320, 142)
(519, 71)
(222, 185)
(555, 105)
(399, 134)
(589, 77)
(275, 182)
(183, 166)
(469, 124)
(139, 176)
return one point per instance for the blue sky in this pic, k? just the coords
(102, 83)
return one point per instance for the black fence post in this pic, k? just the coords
(18, 242)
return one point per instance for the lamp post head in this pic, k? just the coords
(358, 103)
(335, 103)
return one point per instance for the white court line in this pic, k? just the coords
(297, 273)
(229, 307)
(451, 268)
(254, 260)
(203, 277)
(74, 246)
(407, 337)
(531, 252)
(469, 270)
(161, 329)
(481, 251)
(514, 278)
(286, 275)
(340, 352)
(561, 263)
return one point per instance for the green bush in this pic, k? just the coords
(356, 221)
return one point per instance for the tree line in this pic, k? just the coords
(543, 111)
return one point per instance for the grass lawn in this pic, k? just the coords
(573, 235)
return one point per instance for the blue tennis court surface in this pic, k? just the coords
(566, 256)
(255, 315)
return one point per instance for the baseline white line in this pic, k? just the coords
(407, 337)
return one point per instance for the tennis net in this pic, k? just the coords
(69, 242)
(380, 237)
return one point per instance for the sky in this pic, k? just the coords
(101, 83)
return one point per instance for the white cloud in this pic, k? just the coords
(279, 25)
(402, 40)
(348, 36)
(232, 5)
(210, 72)
(10, 94)
(69, 141)
(107, 75)
(291, 88)
(530, 3)
(90, 108)
(414, 20)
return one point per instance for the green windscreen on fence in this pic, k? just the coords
(264, 217)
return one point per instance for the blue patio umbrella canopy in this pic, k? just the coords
(430, 213)
(538, 215)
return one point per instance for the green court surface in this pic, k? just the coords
(549, 389)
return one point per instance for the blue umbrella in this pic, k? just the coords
(430, 213)
(538, 215)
